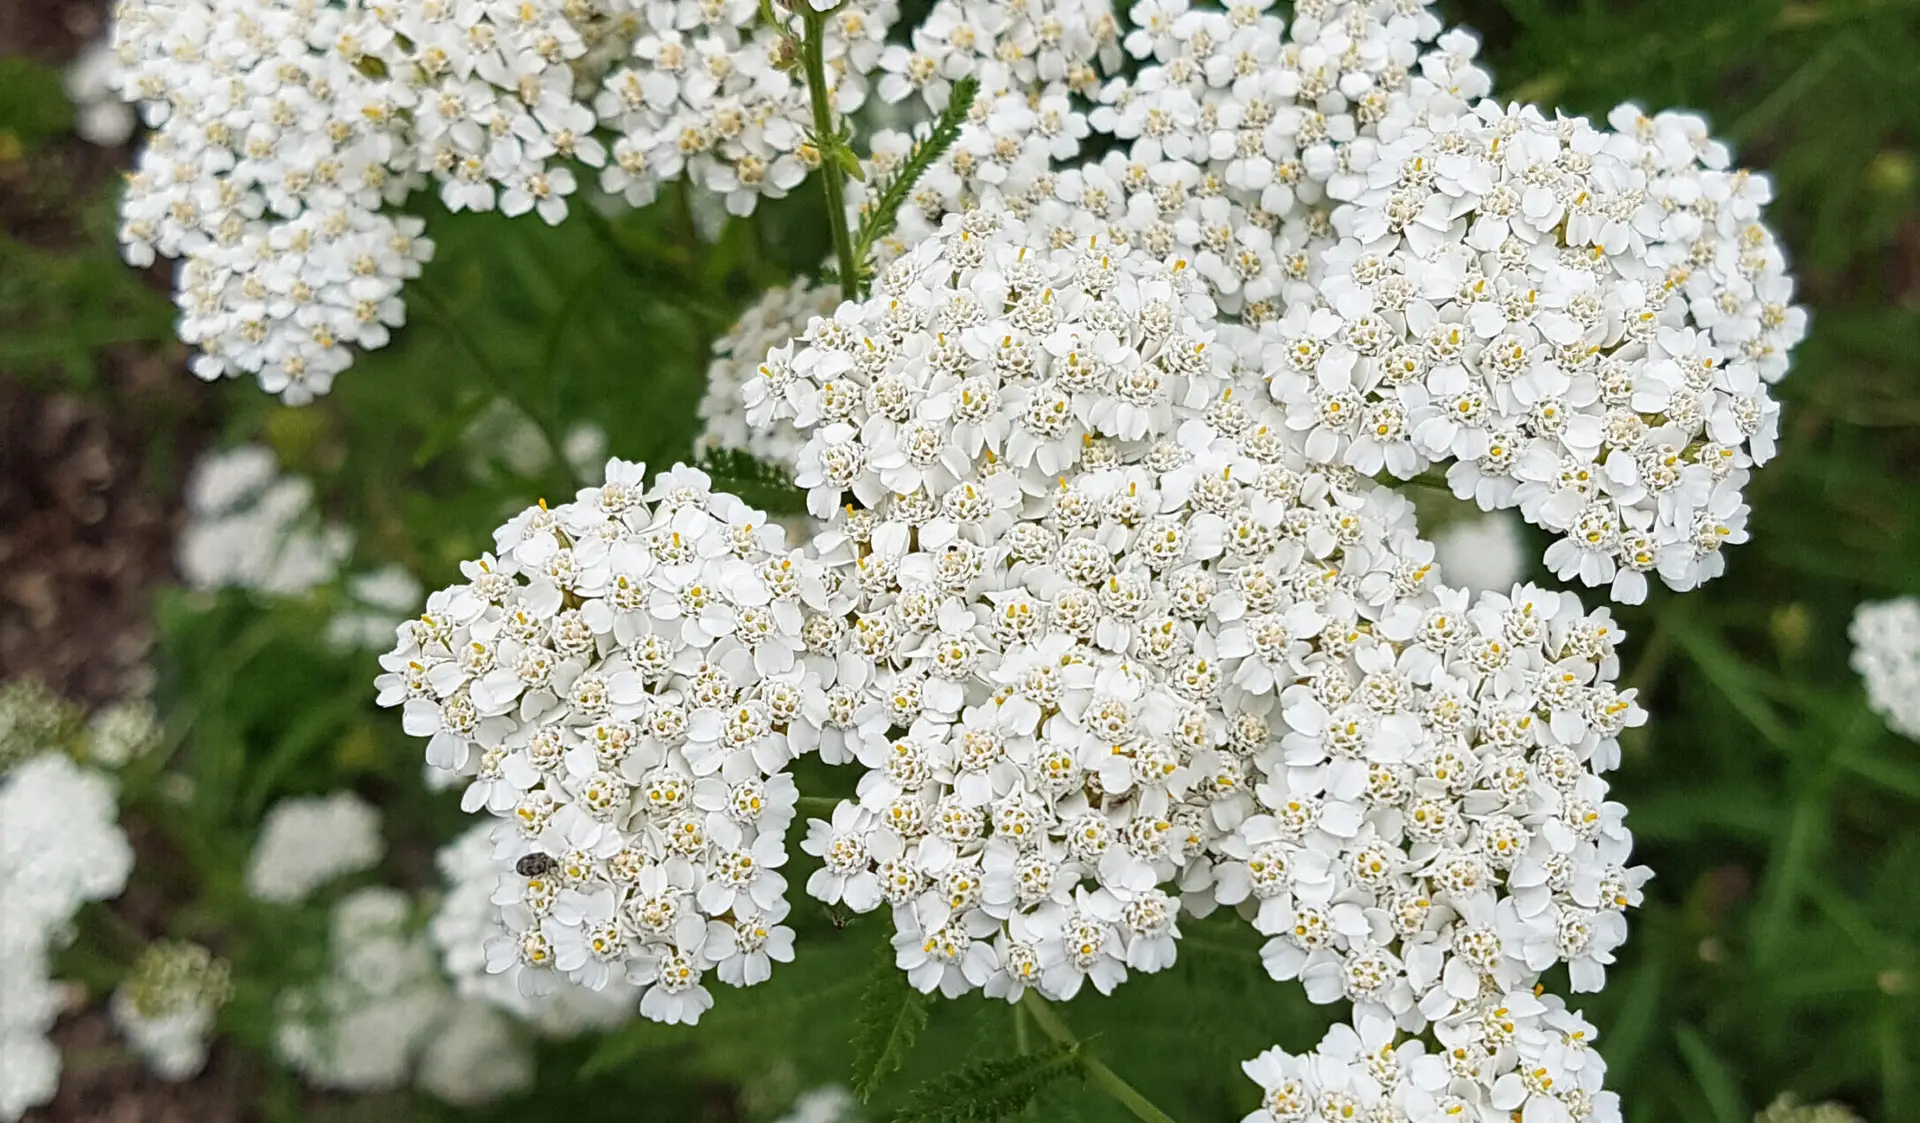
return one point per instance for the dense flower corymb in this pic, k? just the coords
(1071, 564)
(620, 681)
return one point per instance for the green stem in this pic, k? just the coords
(827, 141)
(1098, 1074)
(820, 805)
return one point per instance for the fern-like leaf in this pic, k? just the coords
(988, 1090)
(891, 1016)
(757, 483)
(881, 215)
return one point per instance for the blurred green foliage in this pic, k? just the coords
(1779, 949)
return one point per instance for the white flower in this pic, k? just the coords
(829, 1103)
(249, 527)
(1480, 553)
(1886, 656)
(743, 373)
(620, 682)
(62, 846)
(307, 841)
(167, 1005)
(475, 1058)
(101, 117)
(122, 733)
(364, 1024)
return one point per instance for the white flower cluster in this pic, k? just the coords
(60, 846)
(363, 1025)
(273, 153)
(381, 1015)
(1509, 1056)
(1584, 323)
(467, 917)
(1227, 113)
(713, 92)
(249, 527)
(622, 683)
(476, 1056)
(1886, 656)
(1036, 63)
(1076, 567)
(307, 841)
(780, 314)
(1433, 825)
(286, 129)
(166, 1006)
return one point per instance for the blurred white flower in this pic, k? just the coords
(60, 846)
(100, 116)
(1886, 656)
(830, 1103)
(376, 604)
(365, 1023)
(249, 527)
(307, 841)
(166, 1007)
(476, 1057)
(1481, 553)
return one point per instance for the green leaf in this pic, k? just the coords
(1715, 1080)
(760, 484)
(33, 107)
(879, 220)
(891, 1016)
(987, 1090)
(1736, 680)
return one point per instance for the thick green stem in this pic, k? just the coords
(1098, 1074)
(827, 140)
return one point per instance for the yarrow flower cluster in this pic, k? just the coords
(1886, 656)
(467, 917)
(1074, 560)
(61, 846)
(1509, 1056)
(1584, 323)
(307, 841)
(1593, 348)
(780, 314)
(273, 154)
(621, 681)
(1433, 826)
(285, 131)
(712, 92)
(166, 1007)
(363, 1025)
(251, 527)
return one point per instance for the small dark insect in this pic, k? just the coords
(534, 864)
